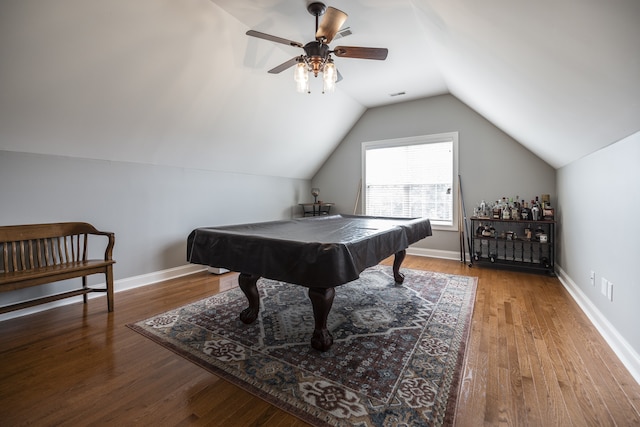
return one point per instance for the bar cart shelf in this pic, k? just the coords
(524, 245)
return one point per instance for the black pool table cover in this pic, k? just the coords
(318, 252)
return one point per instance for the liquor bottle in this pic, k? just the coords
(497, 212)
(515, 213)
(548, 212)
(515, 209)
(525, 213)
(506, 211)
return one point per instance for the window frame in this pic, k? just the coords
(418, 140)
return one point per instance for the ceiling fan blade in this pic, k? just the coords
(331, 23)
(280, 68)
(378, 53)
(269, 37)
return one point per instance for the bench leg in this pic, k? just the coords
(84, 286)
(109, 278)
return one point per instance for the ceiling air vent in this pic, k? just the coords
(343, 33)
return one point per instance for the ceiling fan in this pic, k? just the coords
(317, 53)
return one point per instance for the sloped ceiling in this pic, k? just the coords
(179, 83)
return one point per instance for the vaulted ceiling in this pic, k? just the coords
(179, 83)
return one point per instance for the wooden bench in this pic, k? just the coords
(36, 254)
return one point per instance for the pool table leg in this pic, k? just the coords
(247, 283)
(321, 300)
(397, 261)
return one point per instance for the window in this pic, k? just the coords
(413, 177)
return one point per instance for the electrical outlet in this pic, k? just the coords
(592, 276)
(604, 287)
(610, 290)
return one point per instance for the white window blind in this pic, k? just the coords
(411, 178)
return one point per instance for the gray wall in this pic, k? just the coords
(599, 200)
(491, 163)
(150, 208)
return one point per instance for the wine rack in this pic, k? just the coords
(518, 244)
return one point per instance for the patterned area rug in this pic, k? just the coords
(396, 359)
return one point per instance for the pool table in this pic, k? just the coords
(319, 253)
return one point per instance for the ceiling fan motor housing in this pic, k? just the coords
(317, 54)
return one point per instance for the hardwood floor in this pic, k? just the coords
(533, 359)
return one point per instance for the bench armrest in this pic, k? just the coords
(108, 253)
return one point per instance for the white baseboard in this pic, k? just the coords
(156, 276)
(434, 253)
(627, 355)
(118, 286)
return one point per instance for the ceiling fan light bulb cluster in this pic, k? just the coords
(301, 77)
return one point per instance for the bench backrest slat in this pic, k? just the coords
(39, 251)
(85, 245)
(66, 249)
(15, 253)
(24, 261)
(5, 255)
(46, 251)
(30, 252)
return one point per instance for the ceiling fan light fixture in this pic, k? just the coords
(301, 77)
(329, 76)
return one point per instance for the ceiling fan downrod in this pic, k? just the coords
(317, 9)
